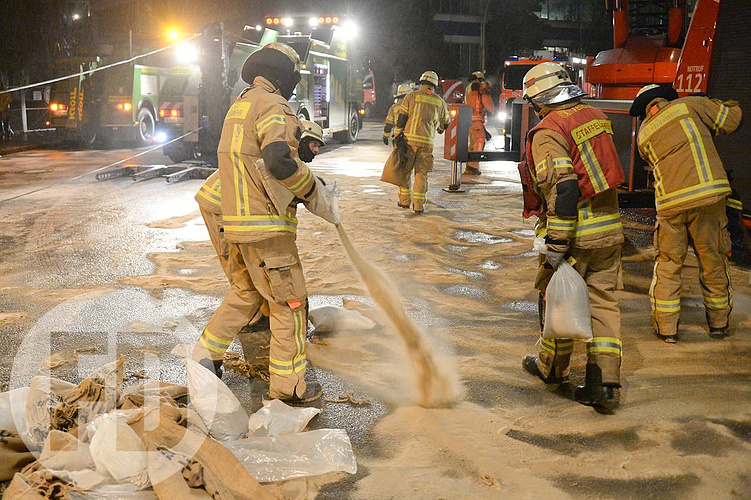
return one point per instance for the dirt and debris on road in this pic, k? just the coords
(465, 270)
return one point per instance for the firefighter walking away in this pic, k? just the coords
(573, 169)
(421, 113)
(691, 188)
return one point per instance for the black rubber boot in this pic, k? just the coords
(529, 365)
(719, 333)
(402, 206)
(313, 391)
(595, 393)
(214, 367)
(419, 212)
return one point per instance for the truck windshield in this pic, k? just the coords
(513, 75)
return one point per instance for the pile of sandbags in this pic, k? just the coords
(155, 440)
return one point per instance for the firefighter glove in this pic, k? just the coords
(554, 257)
(324, 202)
(386, 140)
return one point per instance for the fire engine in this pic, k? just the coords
(330, 92)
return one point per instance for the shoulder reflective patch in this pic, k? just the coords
(238, 111)
(585, 132)
(667, 115)
(430, 99)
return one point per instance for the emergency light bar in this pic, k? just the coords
(313, 21)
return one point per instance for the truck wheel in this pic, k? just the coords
(145, 130)
(350, 136)
(181, 151)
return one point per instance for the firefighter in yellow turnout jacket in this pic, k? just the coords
(421, 113)
(576, 172)
(232, 315)
(388, 124)
(258, 217)
(691, 188)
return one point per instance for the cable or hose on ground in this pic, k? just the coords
(88, 72)
(99, 169)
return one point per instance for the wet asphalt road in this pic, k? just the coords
(63, 250)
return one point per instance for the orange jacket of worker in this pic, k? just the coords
(478, 96)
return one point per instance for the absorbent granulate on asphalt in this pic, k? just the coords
(436, 387)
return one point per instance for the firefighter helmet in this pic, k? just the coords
(404, 89)
(278, 63)
(478, 75)
(646, 95)
(312, 130)
(429, 77)
(549, 83)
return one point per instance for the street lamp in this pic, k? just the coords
(482, 36)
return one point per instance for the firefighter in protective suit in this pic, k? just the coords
(421, 113)
(478, 97)
(691, 188)
(573, 167)
(258, 207)
(210, 205)
(388, 124)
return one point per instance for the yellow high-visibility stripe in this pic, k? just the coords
(278, 367)
(719, 121)
(563, 162)
(301, 183)
(655, 161)
(697, 150)
(213, 343)
(259, 223)
(419, 138)
(667, 306)
(734, 204)
(555, 346)
(717, 302)
(241, 189)
(561, 224)
(661, 119)
(541, 167)
(210, 197)
(599, 224)
(584, 210)
(593, 168)
(268, 121)
(696, 191)
(405, 191)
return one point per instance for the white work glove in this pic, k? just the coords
(554, 257)
(324, 203)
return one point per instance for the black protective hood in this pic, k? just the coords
(639, 107)
(273, 65)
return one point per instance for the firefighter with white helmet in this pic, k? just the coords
(311, 140)
(569, 179)
(262, 178)
(691, 188)
(388, 124)
(421, 113)
(478, 97)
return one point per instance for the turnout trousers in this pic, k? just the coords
(265, 271)
(600, 268)
(476, 141)
(707, 227)
(419, 159)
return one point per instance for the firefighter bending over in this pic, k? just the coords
(421, 113)
(691, 188)
(210, 205)
(572, 163)
(478, 97)
(258, 209)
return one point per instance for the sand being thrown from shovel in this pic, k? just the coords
(437, 385)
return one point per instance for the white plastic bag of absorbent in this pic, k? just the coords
(567, 313)
(13, 411)
(117, 450)
(304, 454)
(277, 419)
(218, 407)
(328, 319)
